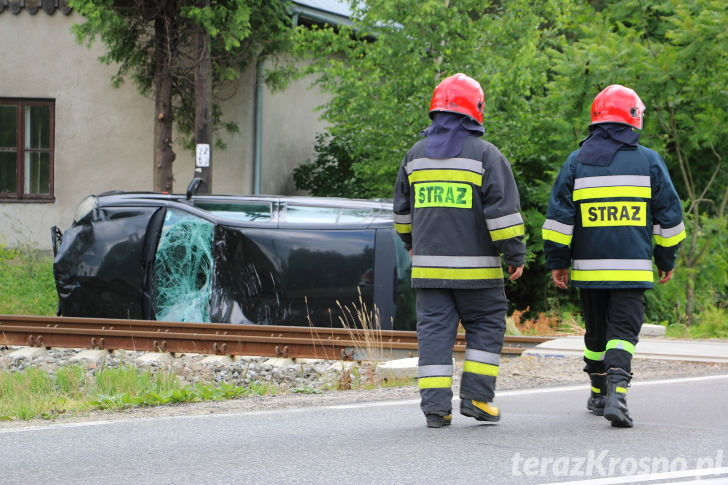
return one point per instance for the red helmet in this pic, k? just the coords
(459, 94)
(618, 104)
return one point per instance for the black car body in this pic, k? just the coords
(234, 259)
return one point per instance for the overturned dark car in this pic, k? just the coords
(271, 260)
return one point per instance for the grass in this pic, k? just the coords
(26, 282)
(33, 393)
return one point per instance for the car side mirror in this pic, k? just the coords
(193, 187)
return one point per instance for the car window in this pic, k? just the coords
(240, 211)
(325, 215)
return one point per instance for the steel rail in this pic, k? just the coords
(222, 339)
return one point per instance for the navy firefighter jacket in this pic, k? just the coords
(458, 215)
(602, 220)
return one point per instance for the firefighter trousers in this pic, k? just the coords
(439, 310)
(613, 321)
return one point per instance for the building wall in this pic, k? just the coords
(104, 136)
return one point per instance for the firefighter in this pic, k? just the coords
(611, 199)
(456, 207)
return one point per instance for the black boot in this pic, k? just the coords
(615, 408)
(595, 404)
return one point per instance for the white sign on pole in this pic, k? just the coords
(203, 155)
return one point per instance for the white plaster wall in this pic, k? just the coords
(104, 136)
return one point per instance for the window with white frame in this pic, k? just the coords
(26, 149)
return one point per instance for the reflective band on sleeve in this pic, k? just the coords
(607, 192)
(403, 228)
(592, 355)
(622, 345)
(434, 370)
(668, 242)
(480, 368)
(446, 176)
(614, 275)
(668, 237)
(482, 356)
(557, 226)
(612, 264)
(468, 164)
(435, 382)
(403, 218)
(507, 233)
(505, 221)
(556, 237)
(596, 390)
(457, 261)
(621, 390)
(457, 273)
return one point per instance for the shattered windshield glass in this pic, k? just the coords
(183, 269)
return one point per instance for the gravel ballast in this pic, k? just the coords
(306, 382)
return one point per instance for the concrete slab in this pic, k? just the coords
(647, 348)
(156, 357)
(397, 369)
(651, 330)
(90, 355)
(400, 368)
(28, 353)
(279, 362)
(217, 360)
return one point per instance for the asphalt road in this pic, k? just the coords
(545, 436)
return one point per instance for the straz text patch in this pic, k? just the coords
(443, 194)
(599, 214)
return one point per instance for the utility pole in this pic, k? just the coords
(203, 95)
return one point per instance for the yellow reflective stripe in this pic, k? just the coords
(611, 275)
(435, 382)
(621, 390)
(457, 273)
(596, 390)
(446, 176)
(403, 228)
(619, 191)
(557, 237)
(669, 241)
(507, 233)
(592, 355)
(480, 368)
(622, 345)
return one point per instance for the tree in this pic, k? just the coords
(381, 73)
(674, 54)
(152, 42)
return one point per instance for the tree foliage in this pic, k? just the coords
(152, 43)
(540, 63)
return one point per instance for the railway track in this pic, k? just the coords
(223, 339)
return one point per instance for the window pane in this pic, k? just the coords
(37, 174)
(354, 215)
(240, 211)
(8, 126)
(37, 127)
(8, 167)
(300, 213)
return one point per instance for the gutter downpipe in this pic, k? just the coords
(258, 124)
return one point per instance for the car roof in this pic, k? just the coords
(378, 212)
